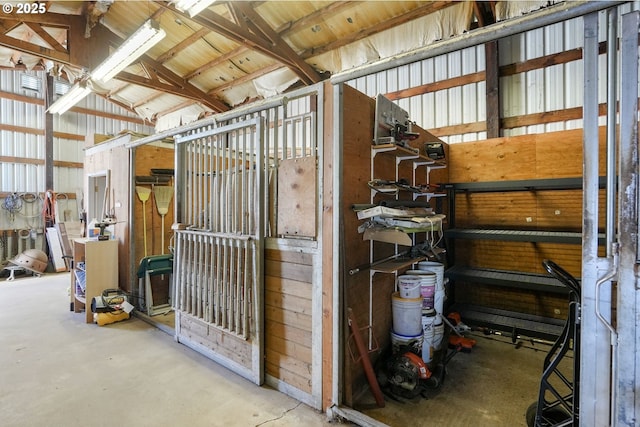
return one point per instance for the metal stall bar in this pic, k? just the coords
(626, 375)
(594, 389)
(221, 260)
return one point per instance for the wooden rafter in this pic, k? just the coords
(485, 12)
(34, 49)
(305, 71)
(153, 84)
(52, 42)
(216, 62)
(182, 45)
(188, 90)
(173, 83)
(6, 25)
(241, 35)
(312, 19)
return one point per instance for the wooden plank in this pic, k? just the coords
(290, 348)
(288, 302)
(290, 287)
(492, 89)
(289, 332)
(282, 361)
(226, 345)
(518, 256)
(327, 281)
(300, 382)
(559, 154)
(30, 161)
(523, 301)
(548, 155)
(296, 198)
(298, 272)
(302, 321)
(437, 86)
(491, 160)
(290, 256)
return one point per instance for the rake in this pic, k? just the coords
(143, 194)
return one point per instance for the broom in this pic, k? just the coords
(163, 195)
(143, 194)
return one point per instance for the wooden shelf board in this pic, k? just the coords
(394, 265)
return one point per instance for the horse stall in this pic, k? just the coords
(248, 256)
(111, 172)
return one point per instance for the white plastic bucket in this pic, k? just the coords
(409, 286)
(407, 313)
(438, 334)
(437, 268)
(427, 286)
(428, 319)
(398, 341)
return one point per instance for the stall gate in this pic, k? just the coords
(248, 260)
(218, 277)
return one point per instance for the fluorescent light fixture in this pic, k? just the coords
(193, 7)
(71, 98)
(141, 41)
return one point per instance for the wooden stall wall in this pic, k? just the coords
(357, 118)
(288, 317)
(358, 125)
(116, 159)
(147, 157)
(527, 157)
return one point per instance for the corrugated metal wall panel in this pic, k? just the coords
(554, 88)
(30, 178)
(442, 108)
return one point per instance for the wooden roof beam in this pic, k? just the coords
(34, 49)
(153, 84)
(242, 36)
(174, 83)
(304, 70)
(52, 42)
(168, 55)
(312, 19)
(216, 61)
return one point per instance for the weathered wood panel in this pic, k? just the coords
(284, 270)
(288, 317)
(216, 340)
(289, 370)
(296, 203)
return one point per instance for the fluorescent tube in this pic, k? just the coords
(141, 41)
(69, 99)
(193, 7)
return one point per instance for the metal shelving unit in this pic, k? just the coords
(513, 279)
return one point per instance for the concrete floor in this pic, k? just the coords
(492, 386)
(56, 370)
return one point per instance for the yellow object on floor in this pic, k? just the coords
(106, 318)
